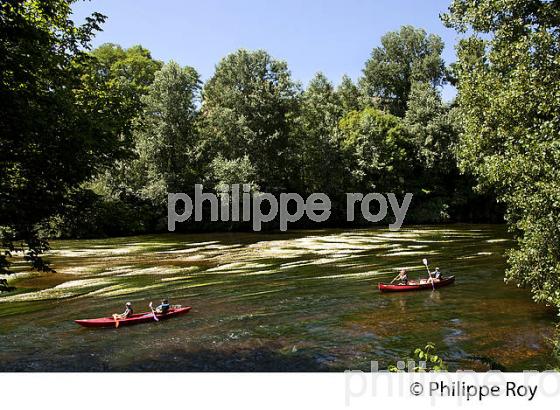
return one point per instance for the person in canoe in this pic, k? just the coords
(128, 311)
(403, 277)
(434, 276)
(161, 309)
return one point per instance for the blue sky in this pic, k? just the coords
(335, 37)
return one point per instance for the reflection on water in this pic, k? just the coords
(296, 301)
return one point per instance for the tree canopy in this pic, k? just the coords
(507, 71)
(247, 110)
(55, 131)
(406, 56)
(167, 136)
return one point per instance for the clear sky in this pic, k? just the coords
(335, 37)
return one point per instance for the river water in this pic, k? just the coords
(295, 301)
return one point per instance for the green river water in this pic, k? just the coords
(295, 301)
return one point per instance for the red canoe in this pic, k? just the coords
(132, 320)
(414, 285)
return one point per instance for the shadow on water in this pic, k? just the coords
(260, 359)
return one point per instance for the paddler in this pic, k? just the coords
(403, 277)
(163, 308)
(128, 311)
(437, 274)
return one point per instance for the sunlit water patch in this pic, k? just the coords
(304, 301)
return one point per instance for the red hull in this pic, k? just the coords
(134, 319)
(383, 287)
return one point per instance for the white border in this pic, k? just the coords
(285, 391)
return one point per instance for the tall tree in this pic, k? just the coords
(376, 150)
(248, 108)
(55, 131)
(507, 71)
(123, 75)
(320, 111)
(431, 128)
(167, 136)
(404, 57)
(349, 95)
(126, 72)
(441, 192)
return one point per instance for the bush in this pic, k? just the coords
(425, 360)
(88, 215)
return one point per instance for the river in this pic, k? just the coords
(294, 301)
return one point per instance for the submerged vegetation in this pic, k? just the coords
(302, 300)
(92, 140)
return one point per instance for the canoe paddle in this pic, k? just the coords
(395, 278)
(425, 261)
(153, 312)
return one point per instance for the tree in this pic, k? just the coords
(507, 72)
(167, 135)
(404, 57)
(431, 128)
(128, 73)
(122, 75)
(248, 110)
(377, 153)
(225, 173)
(134, 66)
(320, 111)
(55, 131)
(349, 95)
(441, 192)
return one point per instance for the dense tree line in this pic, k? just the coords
(93, 140)
(252, 123)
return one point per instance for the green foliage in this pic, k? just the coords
(166, 135)
(441, 192)
(415, 154)
(94, 137)
(349, 95)
(507, 73)
(248, 108)
(404, 57)
(89, 215)
(431, 128)
(224, 172)
(375, 149)
(4, 286)
(31, 248)
(425, 360)
(55, 131)
(320, 111)
(122, 74)
(403, 76)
